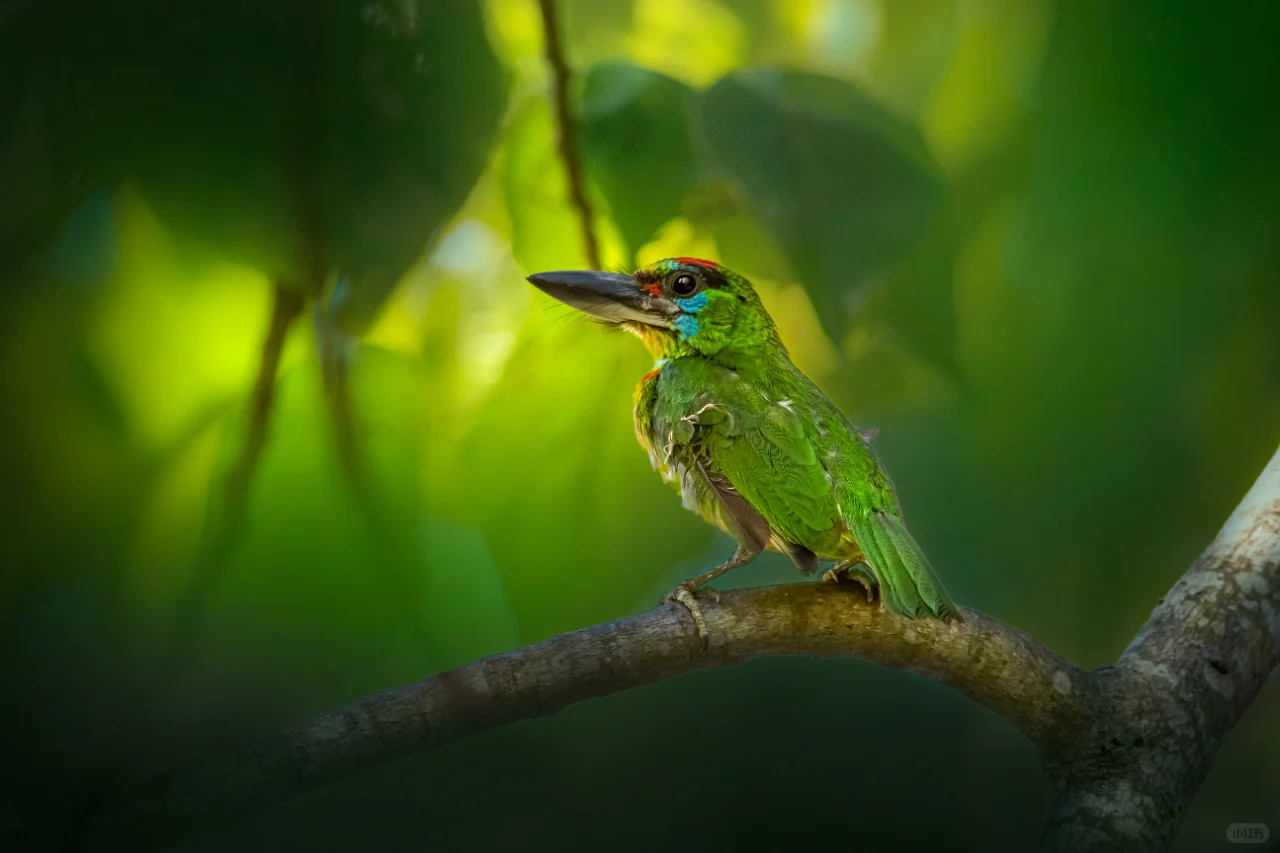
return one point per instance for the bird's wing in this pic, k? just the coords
(667, 428)
(760, 448)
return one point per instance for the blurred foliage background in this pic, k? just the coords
(1035, 243)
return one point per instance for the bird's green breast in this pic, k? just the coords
(780, 442)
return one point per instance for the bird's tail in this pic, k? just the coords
(907, 583)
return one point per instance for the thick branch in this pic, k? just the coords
(1178, 690)
(1037, 691)
(1126, 747)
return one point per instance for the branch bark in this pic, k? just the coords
(1177, 691)
(1125, 747)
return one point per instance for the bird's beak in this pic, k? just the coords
(610, 296)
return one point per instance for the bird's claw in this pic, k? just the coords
(686, 594)
(839, 574)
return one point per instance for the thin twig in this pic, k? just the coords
(313, 32)
(228, 514)
(228, 517)
(285, 307)
(566, 135)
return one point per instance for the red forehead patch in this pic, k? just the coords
(697, 262)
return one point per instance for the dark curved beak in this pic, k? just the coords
(610, 296)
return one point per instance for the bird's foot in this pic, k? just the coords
(686, 593)
(857, 573)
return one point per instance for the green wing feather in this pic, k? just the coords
(908, 584)
(796, 460)
(760, 448)
(775, 467)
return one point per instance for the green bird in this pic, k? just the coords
(751, 443)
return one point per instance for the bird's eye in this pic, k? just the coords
(684, 285)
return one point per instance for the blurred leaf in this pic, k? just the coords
(595, 24)
(636, 122)
(312, 581)
(85, 251)
(171, 338)
(545, 233)
(916, 43)
(742, 243)
(217, 127)
(414, 112)
(328, 135)
(693, 40)
(56, 142)
(918, 304)
(465, 608)
(846, 189)
(760, 19)
(985, 90)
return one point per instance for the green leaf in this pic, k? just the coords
(57, 144)
(415, 110)
(636, 146)
(916, 45)
(545, 232)
(312, 579)
(337, 135)
(465, 611)
(846, 189)
(590, 25)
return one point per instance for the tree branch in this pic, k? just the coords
(1126, 747)
(1177, 691)
(566, 134)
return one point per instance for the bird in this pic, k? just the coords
(751, 444)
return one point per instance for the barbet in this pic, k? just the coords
(752, 445)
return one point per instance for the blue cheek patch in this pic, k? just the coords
(693, 304)
(687, 324)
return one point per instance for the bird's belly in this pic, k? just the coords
(836, 543)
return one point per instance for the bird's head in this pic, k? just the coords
(677, 306)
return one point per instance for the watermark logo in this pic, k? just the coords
(1248, 833)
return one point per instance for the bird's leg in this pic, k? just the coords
(856, 568)
(686, 592)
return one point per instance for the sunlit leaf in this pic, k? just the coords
(596, 28)
(986, 86)
(545, 231)
(692, 40)
(635, 122)
(845, 188)
(917, 39)
(172, 336)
